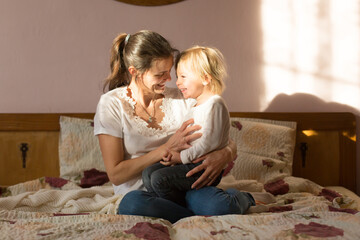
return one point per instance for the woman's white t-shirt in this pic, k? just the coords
(115, 116)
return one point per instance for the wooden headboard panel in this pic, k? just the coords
(325, 149)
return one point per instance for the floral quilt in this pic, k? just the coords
(55, 208)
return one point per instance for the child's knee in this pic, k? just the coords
(146, 175)
(239, 202)
(158, 180)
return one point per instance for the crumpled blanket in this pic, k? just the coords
(50, 194)
(94, 199)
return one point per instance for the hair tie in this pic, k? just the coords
(127, 38)
(122, 49)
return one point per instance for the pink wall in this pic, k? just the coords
(54, 54)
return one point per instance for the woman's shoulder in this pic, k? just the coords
(175, 106)
(171, 92)
(116, 100)
(175, 94)
(114, 93)
(113, 96)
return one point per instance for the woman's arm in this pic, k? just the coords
(213, 164)
(121, 170)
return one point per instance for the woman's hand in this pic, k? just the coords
(213, 164)
(183, 136)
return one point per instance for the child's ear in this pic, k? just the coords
(206, 80)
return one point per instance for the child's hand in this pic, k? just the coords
(171, 158)
(166, 159)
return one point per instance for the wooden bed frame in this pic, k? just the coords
(325, 150)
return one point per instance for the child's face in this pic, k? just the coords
(189, 82)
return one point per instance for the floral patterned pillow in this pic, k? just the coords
(265, 148)
(79, 149)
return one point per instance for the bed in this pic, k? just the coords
(53, 184)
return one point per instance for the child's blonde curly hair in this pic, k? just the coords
(207, 61)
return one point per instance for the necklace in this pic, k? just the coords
(150, 117)
(150, 120)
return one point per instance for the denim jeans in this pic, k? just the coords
(208, 201)
(170, 182)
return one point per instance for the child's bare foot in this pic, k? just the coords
(262, 198)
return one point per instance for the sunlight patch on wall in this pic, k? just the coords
(312, 46)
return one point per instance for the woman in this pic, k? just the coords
(139, 120)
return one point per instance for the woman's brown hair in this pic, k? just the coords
(138, 50)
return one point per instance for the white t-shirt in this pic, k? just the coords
(115, 116)
(213, 117)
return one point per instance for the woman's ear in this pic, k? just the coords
(132, 71)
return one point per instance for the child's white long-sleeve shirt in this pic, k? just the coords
(213, 117)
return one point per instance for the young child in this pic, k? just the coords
(200, 72)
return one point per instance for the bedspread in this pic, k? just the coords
(52, 208)
(312, 222)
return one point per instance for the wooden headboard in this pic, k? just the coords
(325, 149)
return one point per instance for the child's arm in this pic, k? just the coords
(215, 133)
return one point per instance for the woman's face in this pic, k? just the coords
(155, 78)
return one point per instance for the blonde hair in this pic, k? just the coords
(206, 61)
(139, 50)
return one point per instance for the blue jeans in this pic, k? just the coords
(208, 201)
(170, 182)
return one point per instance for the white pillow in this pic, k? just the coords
(79, 149)
(265, 148)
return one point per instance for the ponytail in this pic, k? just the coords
(119, 75)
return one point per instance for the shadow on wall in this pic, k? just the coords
(302, 102)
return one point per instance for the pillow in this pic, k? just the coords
(265, 148)
(79, 149)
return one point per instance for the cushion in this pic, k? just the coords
(79, 149)
(265, 148)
